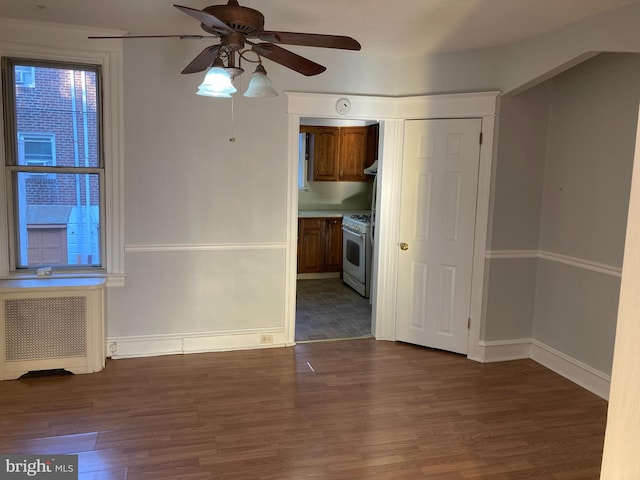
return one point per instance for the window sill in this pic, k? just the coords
(112, 280)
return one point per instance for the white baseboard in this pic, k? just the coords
(503, 350)
(490, 351)
(587, 377)
(154, 345)
(574, 370)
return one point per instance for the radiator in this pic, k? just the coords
(51, 324)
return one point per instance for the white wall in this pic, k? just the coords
(534, 60)
(585, 204)
(206, 217)
(515, 214)
(561, 194)
(196, 202)
(336, 195)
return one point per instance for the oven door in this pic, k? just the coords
(353, 254)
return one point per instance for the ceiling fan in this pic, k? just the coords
(237, 26)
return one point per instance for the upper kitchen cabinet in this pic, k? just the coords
(339, 153)
(324, 152)
(352, 155)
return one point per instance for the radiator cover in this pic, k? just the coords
(51, 324)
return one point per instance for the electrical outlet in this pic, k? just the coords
(266, 338)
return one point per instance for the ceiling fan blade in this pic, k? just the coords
(310, 40)
(196, 37)
(288, 59)
(205, 18)
(203, 60)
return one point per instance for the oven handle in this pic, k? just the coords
(359, 235)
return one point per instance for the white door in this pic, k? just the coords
(437, 224)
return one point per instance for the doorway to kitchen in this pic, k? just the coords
(335, 224)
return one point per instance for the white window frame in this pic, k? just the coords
(70, 44)
(18, 170)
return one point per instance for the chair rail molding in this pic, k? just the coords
(556, 257)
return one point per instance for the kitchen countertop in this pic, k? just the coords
(329, 213)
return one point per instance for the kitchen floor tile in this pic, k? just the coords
(328, 309)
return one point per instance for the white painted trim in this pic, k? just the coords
(67, 43)
(366, 107)
(504, 350)
(291, 252)
(482, 226)
(500, 254)
(582, 263)
(573, 370)
(191, 247)
(179, 343)
(385, 254)
(556, 257)
(580, 373)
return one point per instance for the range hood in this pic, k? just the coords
(373, 169)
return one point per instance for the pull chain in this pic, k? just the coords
(232, 138)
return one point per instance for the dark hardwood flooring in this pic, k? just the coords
(350, 409)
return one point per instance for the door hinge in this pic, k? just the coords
(480, 139)
(469, 323)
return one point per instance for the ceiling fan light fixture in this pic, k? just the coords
(260, 85)
(216, 83)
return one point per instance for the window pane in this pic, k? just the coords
(62, 105)
(36, 150)
(58, 220)
(24, 76)
(35, 147)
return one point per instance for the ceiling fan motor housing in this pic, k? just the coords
(244, 20)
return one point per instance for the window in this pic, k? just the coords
(54, 164)
(37, 150)
(303, 160)
(25, 76)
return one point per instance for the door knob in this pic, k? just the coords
(404, 246)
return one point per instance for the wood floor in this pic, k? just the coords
(352, 409)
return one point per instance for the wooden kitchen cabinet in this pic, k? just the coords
(319, 245)
(311, 245)
(336, 153)
(352, 154)
(323, 161)
(333, 245)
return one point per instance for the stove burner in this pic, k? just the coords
(366, 218)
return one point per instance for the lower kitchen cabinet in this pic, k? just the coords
(319, 245)
(333, 245)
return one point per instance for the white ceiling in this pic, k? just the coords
(385, 27)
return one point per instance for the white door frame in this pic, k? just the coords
(392, 112)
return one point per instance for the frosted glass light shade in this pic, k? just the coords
(260, 85)
(217, 83)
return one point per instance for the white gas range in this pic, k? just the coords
(356, 252)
